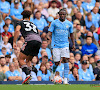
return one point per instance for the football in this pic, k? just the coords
(57, 80)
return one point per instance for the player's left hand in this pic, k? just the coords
(73, 48)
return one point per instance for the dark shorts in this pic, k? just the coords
(31, 48)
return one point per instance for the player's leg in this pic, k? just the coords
(56, 58)
(65, 56)
(22, 63)
(29, 65)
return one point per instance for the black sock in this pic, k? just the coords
(26, 70)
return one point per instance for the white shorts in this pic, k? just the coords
(60, 52)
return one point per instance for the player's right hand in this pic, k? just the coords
(14, 46)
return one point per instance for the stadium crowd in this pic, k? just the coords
(84, 62)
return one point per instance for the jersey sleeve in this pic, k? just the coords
(51, 28)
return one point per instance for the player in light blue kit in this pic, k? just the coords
(60, 29)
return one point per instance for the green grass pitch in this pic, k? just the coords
(50, 87)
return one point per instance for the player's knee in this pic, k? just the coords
(65, 60)
(57, 63)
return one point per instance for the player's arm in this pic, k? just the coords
(72, 38)
(49, 34)
(16, 35)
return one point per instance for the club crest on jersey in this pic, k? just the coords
(67, 26)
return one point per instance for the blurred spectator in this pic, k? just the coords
(72, 61)
(85, 74)
(97, 4)
(89, 22)
(12, 4)
(53, 10)
(89, 48)
(94, 34)
(48, 66)
(80, 17)
(69, 8)
(97, 69)
(4, 8)
(12, 74)
(79, 42)
(64, 3)
(44, 2)
(2, 75)
(94, 38)
(39, 22)
(42, 10)
(74, 76)
(96, 58)
(22, 39)
(89, 66)
(80, 8)
(1, 24)
(30, 4)
(6, 44)
(4, 51)
(4, 68)
(15, 12)
(77, 57)
(19, 44)
(35, 62)
(43, 74)
(75, 22)
(7, 58)
(91, 60)
(15, 54)
(6, 33)
(49, 19)
(44, 46)
(95, 14)
(88, 5)
(16, 64)
(69, 18)
(44, 59)
(58, 3)
(11, 27)
(70, 68)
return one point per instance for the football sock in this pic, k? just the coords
(66, 70)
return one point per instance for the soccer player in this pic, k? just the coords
(60, 30)
(32, 43)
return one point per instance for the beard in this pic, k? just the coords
(2, 65)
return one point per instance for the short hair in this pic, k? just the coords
(26, 14)
(57, 73)
(6, 25)
(11, 63)
(77, 1)
(37, 11)
(88, 37)
(2, 57)
(53, 1)
(45, 57)
(62, 10)
(3, 48)
(7, 56)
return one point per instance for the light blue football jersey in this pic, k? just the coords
(60, 32)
